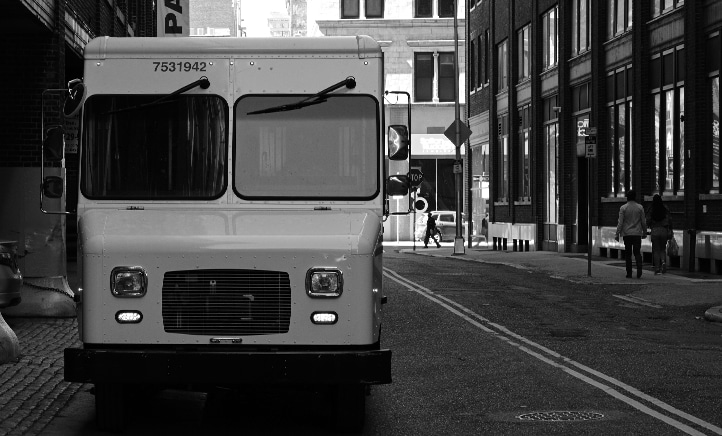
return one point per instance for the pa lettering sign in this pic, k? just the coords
(173, 18)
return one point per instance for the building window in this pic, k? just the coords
(581, 26)
(619, 17)
(423, 9)
(434, 8)
(446, 8)
(484, 58)
(659, 7)
(473, 53)
(502, 67)
(524, 52)
(524, 154)
(714, 174)
(551, 160)
(478, 60)
(669, 148)
(621, 153)
(372, 8)
(550, 54)
(434, 81)
(350, 9)
(711, 170)
(502, 188)
(446, 70)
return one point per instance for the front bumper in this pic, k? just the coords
(227, 367)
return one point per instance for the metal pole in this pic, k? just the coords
(459, 240)
(589, 216)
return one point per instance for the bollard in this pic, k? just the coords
(9, 345)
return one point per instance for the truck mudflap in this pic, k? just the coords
(100, 365)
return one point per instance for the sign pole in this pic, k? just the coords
(589, 216)
(591, 153)
(458, 240)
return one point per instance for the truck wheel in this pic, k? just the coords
(110, 407)
(350, 407)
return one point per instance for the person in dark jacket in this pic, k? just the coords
(659, 220)
(632, 228)
(430, 231)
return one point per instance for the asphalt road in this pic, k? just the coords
(490, 350)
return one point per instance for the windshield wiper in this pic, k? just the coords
(203, 82)
(349, 82)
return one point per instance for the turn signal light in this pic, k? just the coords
(324, 317)
(129, 317)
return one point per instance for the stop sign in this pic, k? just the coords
(415, 176)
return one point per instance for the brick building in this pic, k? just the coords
(643, 73)
(417, 37)
(42, 43)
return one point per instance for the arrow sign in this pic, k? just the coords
(464, 133)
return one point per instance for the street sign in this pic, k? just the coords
(590, 143)
(464, 133)
(415, 176)
(458, 168)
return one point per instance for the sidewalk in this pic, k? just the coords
(675, 288)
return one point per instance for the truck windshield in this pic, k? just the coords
(328, 150)
(175, 149)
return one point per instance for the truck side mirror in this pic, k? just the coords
(54, 144)
(76, 97)
(398, 142)
(397, 185)
(53, 187)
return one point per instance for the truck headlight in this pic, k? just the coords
(324, 282)
(128, 281)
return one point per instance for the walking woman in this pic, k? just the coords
(660, 221)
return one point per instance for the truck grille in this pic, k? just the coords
(226, 302)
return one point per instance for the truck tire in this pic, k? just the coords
(110, 407)
(350, 408)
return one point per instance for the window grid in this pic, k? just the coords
(502, 66)
(434, 77)
(524, 154)
(669, 147)
(351, 9)
(581, 26)
(660, 7)
(619, 17)
(621, 151)
(502, 189)
(714, 177)
(524, 52)
(434, 8)
(550, 55)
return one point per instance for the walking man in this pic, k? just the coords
(430, 231)
(632, 227)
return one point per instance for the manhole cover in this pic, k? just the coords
(560, 416)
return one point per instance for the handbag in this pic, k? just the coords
(672, 247)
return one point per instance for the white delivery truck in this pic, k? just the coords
(231, 199)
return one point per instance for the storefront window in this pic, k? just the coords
(551, 144)
(714, 188)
